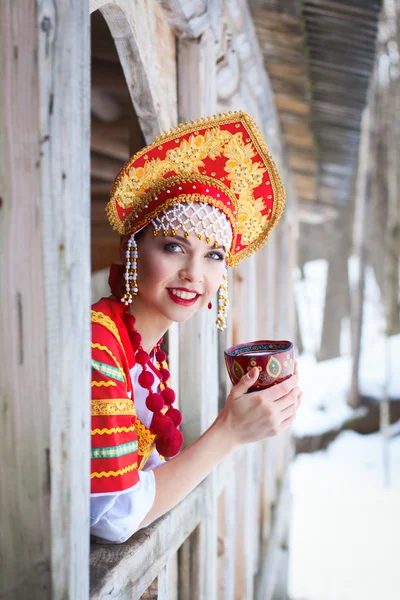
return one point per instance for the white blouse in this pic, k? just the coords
(115, 516)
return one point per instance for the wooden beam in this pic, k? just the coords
(45, 299)
(109, 145)
(105, 107)
(103, 167)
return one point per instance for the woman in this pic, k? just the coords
(203, 196)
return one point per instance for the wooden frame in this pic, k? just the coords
(45, 342)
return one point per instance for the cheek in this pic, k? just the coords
(215, 280)
(153, 268)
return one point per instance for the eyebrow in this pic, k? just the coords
(186, 241)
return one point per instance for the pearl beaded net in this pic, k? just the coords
(202, 219)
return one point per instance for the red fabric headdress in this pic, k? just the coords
(221, 160)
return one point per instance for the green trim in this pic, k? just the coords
(115, 451)
(108, 370)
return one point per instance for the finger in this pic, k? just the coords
(287, 400)
(276, 392)
(288, 412)
(245, 383)
(286, 423)
(300, 397)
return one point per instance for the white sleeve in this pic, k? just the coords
(115, 517)
(153, 461)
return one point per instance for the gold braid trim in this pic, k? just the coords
(113, 406)
(146, 442)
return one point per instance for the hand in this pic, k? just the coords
(261, 414)
(296, 372)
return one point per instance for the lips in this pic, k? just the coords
(183, 296)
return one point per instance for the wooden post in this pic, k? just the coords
(198, 339)
(336, 305)
(45, 299)
(362, 202)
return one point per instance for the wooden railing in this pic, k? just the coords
(245, 559)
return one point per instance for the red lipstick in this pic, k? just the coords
(182, 301)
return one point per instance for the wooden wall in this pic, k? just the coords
(180, 59)
(45, 295)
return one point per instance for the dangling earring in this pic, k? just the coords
(223, 302)
(209, 305)
(131, 285)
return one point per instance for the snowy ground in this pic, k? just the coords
(345, 527)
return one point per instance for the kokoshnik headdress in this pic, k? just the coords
(221, 162)
(214, 178)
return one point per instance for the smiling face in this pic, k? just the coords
(176, 275)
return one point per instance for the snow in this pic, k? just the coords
(345, 523)
(325, 386)
(345, 526)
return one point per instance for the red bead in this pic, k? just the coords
(169, 395)
(161, 356)
(165, 374)
(146, 379)
(142, 358)
(175, 415)
(162, 426)
(154, 402)
(131, 322)
(169, 447)
(136, 339)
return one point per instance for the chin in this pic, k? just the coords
(181, 315)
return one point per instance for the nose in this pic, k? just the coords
(192, 271)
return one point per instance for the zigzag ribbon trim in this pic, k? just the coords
(113, 430)
(103, 383)
(114, 473)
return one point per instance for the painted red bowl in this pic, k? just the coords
(274, 360)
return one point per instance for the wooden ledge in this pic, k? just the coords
(125, 571)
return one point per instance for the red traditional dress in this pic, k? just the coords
(123, 448)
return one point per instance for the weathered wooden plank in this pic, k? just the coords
(198, 337)
(226, 537)
(271, 554)
(187, 18)
(150, 69)
(350, 8)
(125, 571)
(45, 296)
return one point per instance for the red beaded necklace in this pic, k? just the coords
(166, 419)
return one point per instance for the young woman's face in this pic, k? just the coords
(176, 275)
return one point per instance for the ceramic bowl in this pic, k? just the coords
(274, 360)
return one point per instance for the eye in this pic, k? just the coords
(216, 255)
(172, 247)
